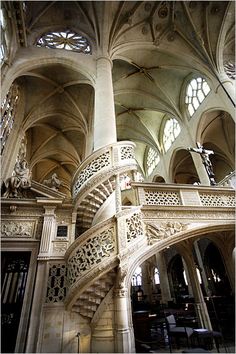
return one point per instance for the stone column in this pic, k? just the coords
(164, 282)
(226, 90)
(104, 115)
(201, 171)
(147, 281)
(190, 290)
(202, 268)
(123, 342)
(201, 308)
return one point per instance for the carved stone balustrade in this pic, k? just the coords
(101, 165)
(96, 254)
(175, 196)
(95, 180)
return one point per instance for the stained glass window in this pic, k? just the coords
(8, 111)
(171, 131)
(152, 160)
(67, 40)
(196, 92)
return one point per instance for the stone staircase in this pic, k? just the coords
(88, 302)
(92, 203)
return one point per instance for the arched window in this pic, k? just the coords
(137, 277)
(156, 276)
(66, 39)
(171, 131)
(8, 111)
(196, 92)
(152, 160)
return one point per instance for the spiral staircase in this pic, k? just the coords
(100, 246)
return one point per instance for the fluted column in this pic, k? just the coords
(47, 233)
(164, 283)
(104, 115)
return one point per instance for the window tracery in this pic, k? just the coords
(8, 111)
(66, 39)
(171, 131)
(196, 92)
(152, 160)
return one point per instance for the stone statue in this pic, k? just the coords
(205, 160)
(20, 179)
(53, 182)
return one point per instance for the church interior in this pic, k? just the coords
(117, 176)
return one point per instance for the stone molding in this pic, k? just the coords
(18, 228)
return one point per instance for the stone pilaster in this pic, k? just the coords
(47, 232)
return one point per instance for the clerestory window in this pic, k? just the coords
(196, 92)
(67, 40)
(8, 111)
(152, 160)
(171, 131)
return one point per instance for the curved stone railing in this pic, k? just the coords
(99, 250)
(110, 157)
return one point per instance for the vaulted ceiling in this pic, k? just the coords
(154, 45)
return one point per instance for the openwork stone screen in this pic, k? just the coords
(212, 200)
(197, 90)
(162, 198)
(67, 39)
(8, 111)
(91, 253)
(134, 227)
(56, 290)
(94, 166)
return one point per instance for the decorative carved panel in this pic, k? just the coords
(162, 198)
(17, 228)
(90, 253)
(134, 227)
(56, 290)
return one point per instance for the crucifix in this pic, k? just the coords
(205, 160)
